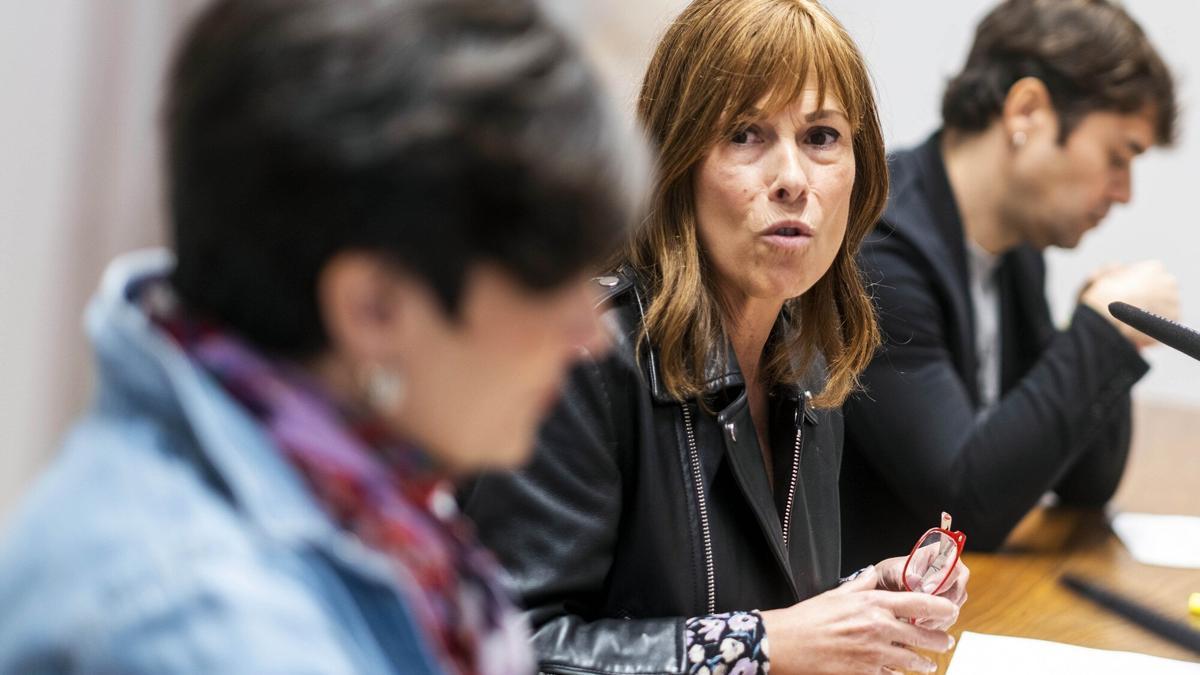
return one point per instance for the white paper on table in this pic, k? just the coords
(980, 654)
(1169, 541)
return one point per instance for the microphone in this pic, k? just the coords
(1166, 331)
(1165, 627)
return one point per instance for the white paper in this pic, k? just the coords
(1169, 541)
(980, 654)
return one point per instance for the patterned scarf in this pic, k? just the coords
(381, 489)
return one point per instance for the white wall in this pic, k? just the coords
(40, 68)
(78, 184)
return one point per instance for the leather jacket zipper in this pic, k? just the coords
(706, 535)
(795, 478)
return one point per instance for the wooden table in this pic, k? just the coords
(1016, 591)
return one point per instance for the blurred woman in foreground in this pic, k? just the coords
(384, 216)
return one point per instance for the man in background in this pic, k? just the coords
(976, 404)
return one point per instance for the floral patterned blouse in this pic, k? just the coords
(733, 643)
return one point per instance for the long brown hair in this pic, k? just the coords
(717, 61)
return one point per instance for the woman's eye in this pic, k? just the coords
(823, 137)
(745, 136)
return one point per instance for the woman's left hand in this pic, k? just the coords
(891, 578)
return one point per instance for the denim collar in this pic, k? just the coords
(141, 369)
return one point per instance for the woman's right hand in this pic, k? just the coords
(857, 629)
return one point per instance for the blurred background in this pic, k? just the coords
(79, 169)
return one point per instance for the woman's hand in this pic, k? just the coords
(891, 578)
(857, 628)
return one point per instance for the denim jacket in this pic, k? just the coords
(169, 536)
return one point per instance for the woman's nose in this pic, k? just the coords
(790, 182)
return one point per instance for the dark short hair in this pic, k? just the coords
(1091, 55)
(436, 133)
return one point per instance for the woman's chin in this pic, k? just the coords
(785, 286)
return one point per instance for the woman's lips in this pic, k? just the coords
(790, 234)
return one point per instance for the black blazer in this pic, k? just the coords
(639, 511)
(915, 442)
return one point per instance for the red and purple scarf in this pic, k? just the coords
(385, 491)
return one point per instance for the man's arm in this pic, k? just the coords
(917, 427)
(1094, 478)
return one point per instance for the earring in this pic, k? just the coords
(384, 389)
(1018, 138)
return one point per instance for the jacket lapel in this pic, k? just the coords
(739, 440)
(935, 228)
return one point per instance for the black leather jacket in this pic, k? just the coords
(638, 511)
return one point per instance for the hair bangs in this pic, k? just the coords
(787, 51)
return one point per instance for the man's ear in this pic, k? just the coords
(1029, 112)
(361, 302)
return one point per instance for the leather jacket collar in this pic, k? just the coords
(723, 376)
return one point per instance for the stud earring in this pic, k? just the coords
(1018, 139)
(384, 389)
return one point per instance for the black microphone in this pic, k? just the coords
(1165, 627)
(1164, 330)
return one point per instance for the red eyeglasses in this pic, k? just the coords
(933, 558)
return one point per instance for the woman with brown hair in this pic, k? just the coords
(690, 476)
